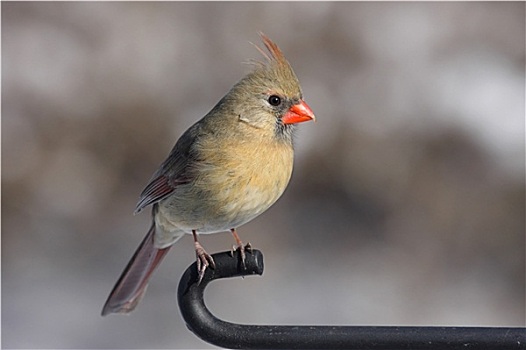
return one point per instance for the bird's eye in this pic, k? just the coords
(274, 100)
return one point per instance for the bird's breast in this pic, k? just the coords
(232, 185)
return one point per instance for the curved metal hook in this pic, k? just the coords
(236, 336)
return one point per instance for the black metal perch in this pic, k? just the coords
(237, 336)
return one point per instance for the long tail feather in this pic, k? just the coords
(132, 284)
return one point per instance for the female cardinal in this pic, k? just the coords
(225, 170)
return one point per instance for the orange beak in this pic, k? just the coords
(298, 113)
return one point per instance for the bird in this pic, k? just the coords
(225, 170)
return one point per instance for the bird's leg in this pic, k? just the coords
(242, 248)
(203, 259)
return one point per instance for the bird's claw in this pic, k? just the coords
(203, 260)
(242, 249)
(248, 247)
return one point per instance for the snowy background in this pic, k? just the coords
(407, 201)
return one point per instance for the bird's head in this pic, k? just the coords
(270, 97)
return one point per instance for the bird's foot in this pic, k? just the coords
(203, 260)
(242, 249)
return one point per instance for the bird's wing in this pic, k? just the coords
(173, 171)
(158, 188)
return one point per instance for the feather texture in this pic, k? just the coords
(225, 170)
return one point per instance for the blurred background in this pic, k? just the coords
(407, 201)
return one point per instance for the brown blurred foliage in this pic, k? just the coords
(407, 202)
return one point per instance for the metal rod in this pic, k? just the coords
(237, 336)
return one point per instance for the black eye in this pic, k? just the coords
(274, 100)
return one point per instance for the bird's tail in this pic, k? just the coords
(130, 287)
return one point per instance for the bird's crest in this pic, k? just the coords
(276, 54)
(274, 72)
(273, 56)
